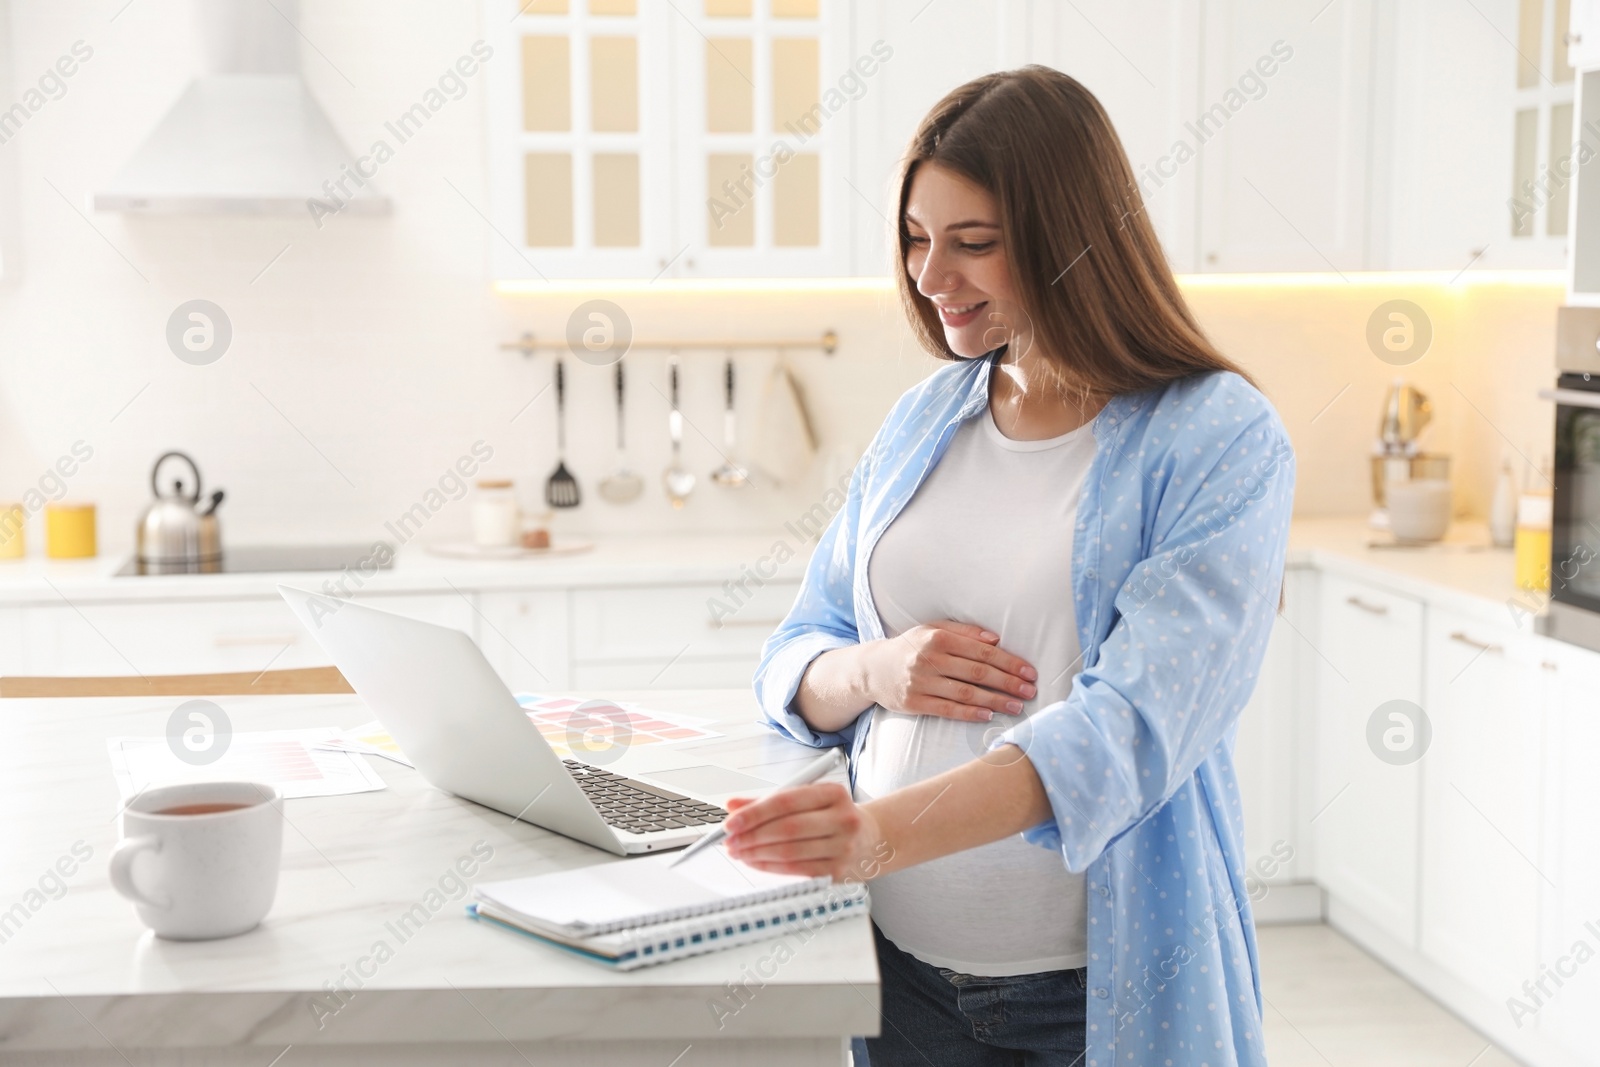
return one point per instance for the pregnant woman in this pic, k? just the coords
(1035, 622)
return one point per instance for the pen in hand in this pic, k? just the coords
(814, 771)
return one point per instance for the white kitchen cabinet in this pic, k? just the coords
(1284, 159)
(1140, 59)
(189, 637)
(524, 635)
(764, 108)
(666, 621)
(13, 655)
(1583, 34)
(643, 140)
(935, 47)
(1571, 905)
(1264, 760)
(1583, 266)
(1365, 819)
(455, 610)
(1445, 144)
(1481, 875)
(192, 636)
(673, 636)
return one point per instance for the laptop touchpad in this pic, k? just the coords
(708, 780)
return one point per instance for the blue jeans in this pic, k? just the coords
(936, 1016)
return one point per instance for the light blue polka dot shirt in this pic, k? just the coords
(1176, 569)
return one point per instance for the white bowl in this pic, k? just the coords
(1418, 510)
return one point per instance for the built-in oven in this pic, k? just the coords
(1574, 608)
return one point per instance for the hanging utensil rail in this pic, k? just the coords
(528, 344)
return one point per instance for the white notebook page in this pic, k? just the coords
(634, 892)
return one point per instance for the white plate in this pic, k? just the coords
(471, 550)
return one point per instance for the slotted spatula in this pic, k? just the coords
(561, 491)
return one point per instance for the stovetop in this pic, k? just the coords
(267, 559)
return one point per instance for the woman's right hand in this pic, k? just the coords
(951, 669)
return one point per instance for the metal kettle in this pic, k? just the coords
(176, 533)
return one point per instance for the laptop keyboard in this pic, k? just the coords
(630, 804)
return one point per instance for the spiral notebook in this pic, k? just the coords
(632, 913)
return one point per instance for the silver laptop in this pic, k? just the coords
(456, 721)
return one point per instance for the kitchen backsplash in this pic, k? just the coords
(365, 353)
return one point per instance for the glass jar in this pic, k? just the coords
(1531, 543)
(495, 521)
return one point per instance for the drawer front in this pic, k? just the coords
(1352, 603)
(171, 638)
(455, 610)
(524, 635)
(13, 654)
(194, 637)
(685, 621)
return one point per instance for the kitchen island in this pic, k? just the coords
(83, 983)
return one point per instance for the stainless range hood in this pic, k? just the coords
(246, 137)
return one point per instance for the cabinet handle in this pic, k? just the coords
(1550, 665)
(240, 640)
(722, 624)
(1479, 645)
(1374, 609)
(1572, 38)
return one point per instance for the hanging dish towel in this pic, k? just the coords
(784, 442)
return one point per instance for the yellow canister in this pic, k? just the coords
(69, 531)
(1532, 542)
(13, 545)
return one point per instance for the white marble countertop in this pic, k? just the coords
(1463, 572)
(1462, 569)
(612, 561)
(78, 971)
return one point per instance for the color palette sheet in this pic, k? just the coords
(295, 761)
(577, 729)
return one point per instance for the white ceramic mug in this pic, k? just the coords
(1419, 510)
(200, 860)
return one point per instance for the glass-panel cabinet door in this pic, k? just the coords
(762, 133)
(581, 177)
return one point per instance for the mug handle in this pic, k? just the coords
(121, 869)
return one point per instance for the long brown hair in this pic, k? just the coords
(1088, 269)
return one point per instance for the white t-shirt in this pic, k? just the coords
(986, 539)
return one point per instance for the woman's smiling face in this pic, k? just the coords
(955, 257)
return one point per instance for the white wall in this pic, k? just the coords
(365, 359)
(371, 341)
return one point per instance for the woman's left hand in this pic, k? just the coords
(811, 830)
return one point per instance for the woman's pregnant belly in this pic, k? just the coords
(1002, 909)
